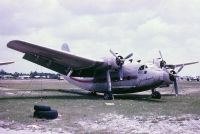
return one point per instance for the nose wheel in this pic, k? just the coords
(155, 94)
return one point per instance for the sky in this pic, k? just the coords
(92, 27)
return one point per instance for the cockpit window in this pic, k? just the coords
(142, 67)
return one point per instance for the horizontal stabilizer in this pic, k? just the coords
(5, 63)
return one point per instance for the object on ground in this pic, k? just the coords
(110, 104)
(42, 108)
(44, 112)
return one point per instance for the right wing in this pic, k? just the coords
(58, 61)
(179, 65)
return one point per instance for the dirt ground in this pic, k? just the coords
(81, 112)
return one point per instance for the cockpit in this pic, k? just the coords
(142, 67)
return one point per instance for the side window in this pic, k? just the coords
(141, 68)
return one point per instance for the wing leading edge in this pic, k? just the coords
(58, 61)
(179, 65)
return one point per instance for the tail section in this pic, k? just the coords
(65, 47)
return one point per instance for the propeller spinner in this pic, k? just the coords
(120, 62)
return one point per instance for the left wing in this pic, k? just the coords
(5, 63)
(55, 60)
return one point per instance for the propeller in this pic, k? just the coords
(172, 74)
(120, 62)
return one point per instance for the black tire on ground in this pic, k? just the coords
(42, 108)
(52, 114)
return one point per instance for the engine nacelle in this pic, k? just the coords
(159, 63)
(111, 62)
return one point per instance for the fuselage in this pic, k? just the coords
(137, 78)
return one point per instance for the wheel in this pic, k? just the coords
(108, 96)
(41, 108)
(156, 95)
(93, 93)
(52, 114)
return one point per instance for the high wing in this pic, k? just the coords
(170, 66)
(58, 61)
(5, 63)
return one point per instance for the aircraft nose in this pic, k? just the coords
(162, 76)
(158, 76)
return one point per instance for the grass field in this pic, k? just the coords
(80, 112)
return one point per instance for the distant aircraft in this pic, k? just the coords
(109, 76)
(5, 63)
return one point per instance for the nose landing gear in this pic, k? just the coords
(155, 94)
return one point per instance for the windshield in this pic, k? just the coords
(142, 67)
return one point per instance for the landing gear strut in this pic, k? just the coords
(155, 94)
(108, 94)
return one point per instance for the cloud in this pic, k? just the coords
(96, 7)
(180, 11)
(92, 27)
(23, 17)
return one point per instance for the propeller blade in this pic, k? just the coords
(128, 56)
(180, 68)
(160, 55)
(176, 87)
(113, 53)
(170, 66)
(121, 73)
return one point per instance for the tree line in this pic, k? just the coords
(32, 74)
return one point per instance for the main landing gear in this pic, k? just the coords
(93, 93)
(108, 96)
(155, 94)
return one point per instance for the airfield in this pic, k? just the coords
(82, 112)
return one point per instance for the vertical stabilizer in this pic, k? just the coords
(65, 47)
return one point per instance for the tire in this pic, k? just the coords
(42, 108)
(52, 114)
(156, 95)
(108, 96)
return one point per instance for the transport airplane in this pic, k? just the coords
(111, 75)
